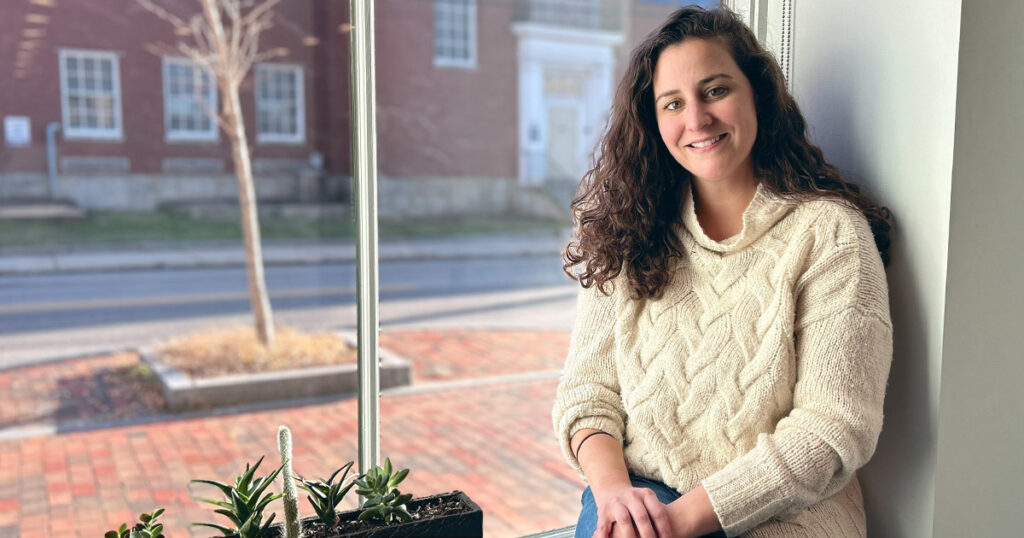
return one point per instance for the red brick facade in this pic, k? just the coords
(442, 122)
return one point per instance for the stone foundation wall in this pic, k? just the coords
(398, 198)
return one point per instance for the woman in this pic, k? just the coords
(728, 364)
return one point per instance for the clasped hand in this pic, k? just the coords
(629, 512)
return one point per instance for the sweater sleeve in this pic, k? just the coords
(588, 392)
(843, 344)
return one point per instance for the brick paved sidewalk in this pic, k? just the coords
(492, 441)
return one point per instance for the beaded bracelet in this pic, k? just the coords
(588, 436)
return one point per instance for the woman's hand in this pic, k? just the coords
(628, 512)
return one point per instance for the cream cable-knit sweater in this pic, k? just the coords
(760, 372)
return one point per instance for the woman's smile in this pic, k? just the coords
(707, 144)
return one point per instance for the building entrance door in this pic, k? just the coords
(563, 141)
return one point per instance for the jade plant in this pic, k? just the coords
(383, 500)
(246, 500)
(325, 495)
(147, 527)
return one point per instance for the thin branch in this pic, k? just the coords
(260, 11)
(175, 21)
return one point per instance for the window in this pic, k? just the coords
(455, 33)
(190, 102)
(90, 94)
(280, 103)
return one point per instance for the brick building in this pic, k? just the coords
(483, 105)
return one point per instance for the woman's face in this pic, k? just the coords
(705, 110)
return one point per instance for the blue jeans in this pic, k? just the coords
(587, 523)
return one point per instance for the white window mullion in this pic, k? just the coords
(772, 22)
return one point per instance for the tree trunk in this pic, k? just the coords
(235, 127)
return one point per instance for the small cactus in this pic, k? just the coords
(292, 523)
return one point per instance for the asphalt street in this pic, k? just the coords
(55, 315)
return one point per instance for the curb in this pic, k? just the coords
(272, 256)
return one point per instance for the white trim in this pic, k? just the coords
(542, 49)
(471, 45)
(561, 34)
(772, 23)
(300, 104)
(182, 135)
(116, 133)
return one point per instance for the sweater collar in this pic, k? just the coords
(764, 210)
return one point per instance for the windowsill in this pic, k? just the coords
(84, 137)
(565, 532)
(455, 64)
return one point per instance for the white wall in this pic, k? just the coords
(979, 477)
(876, 80)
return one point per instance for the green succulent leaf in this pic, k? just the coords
(221, 528)
(245, 480)
(267, 500)
(230, 515)
(226, 489)
(215, 502)
(397, 479)
(345, 467)
(266, 526)
(111, 534)
(241, 509)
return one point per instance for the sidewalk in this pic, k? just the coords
(26, 261)
(477, 418)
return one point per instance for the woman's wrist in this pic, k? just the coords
(693, 514)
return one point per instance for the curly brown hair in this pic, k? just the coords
(629, 203)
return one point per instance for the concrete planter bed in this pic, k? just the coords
(183, 392)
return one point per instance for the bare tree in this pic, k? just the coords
(225, 43)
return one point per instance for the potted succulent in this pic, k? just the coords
(385, 511)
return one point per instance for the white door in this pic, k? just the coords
(563, 141)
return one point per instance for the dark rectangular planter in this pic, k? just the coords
(469, 523)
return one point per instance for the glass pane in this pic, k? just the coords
(481, 164)
(148, 251)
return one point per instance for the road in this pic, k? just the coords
(58, 315)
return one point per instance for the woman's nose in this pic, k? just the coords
(696, 117)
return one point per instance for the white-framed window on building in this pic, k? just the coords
(190, 102)
(90, 89)
(455, 33)
(280, 104)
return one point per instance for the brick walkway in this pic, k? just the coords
(492, 441)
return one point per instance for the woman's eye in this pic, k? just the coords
(718, 91)
(673, 105)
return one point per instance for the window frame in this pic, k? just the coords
(210, 135)
(298, 72)
(471, 37)
(116, 133)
